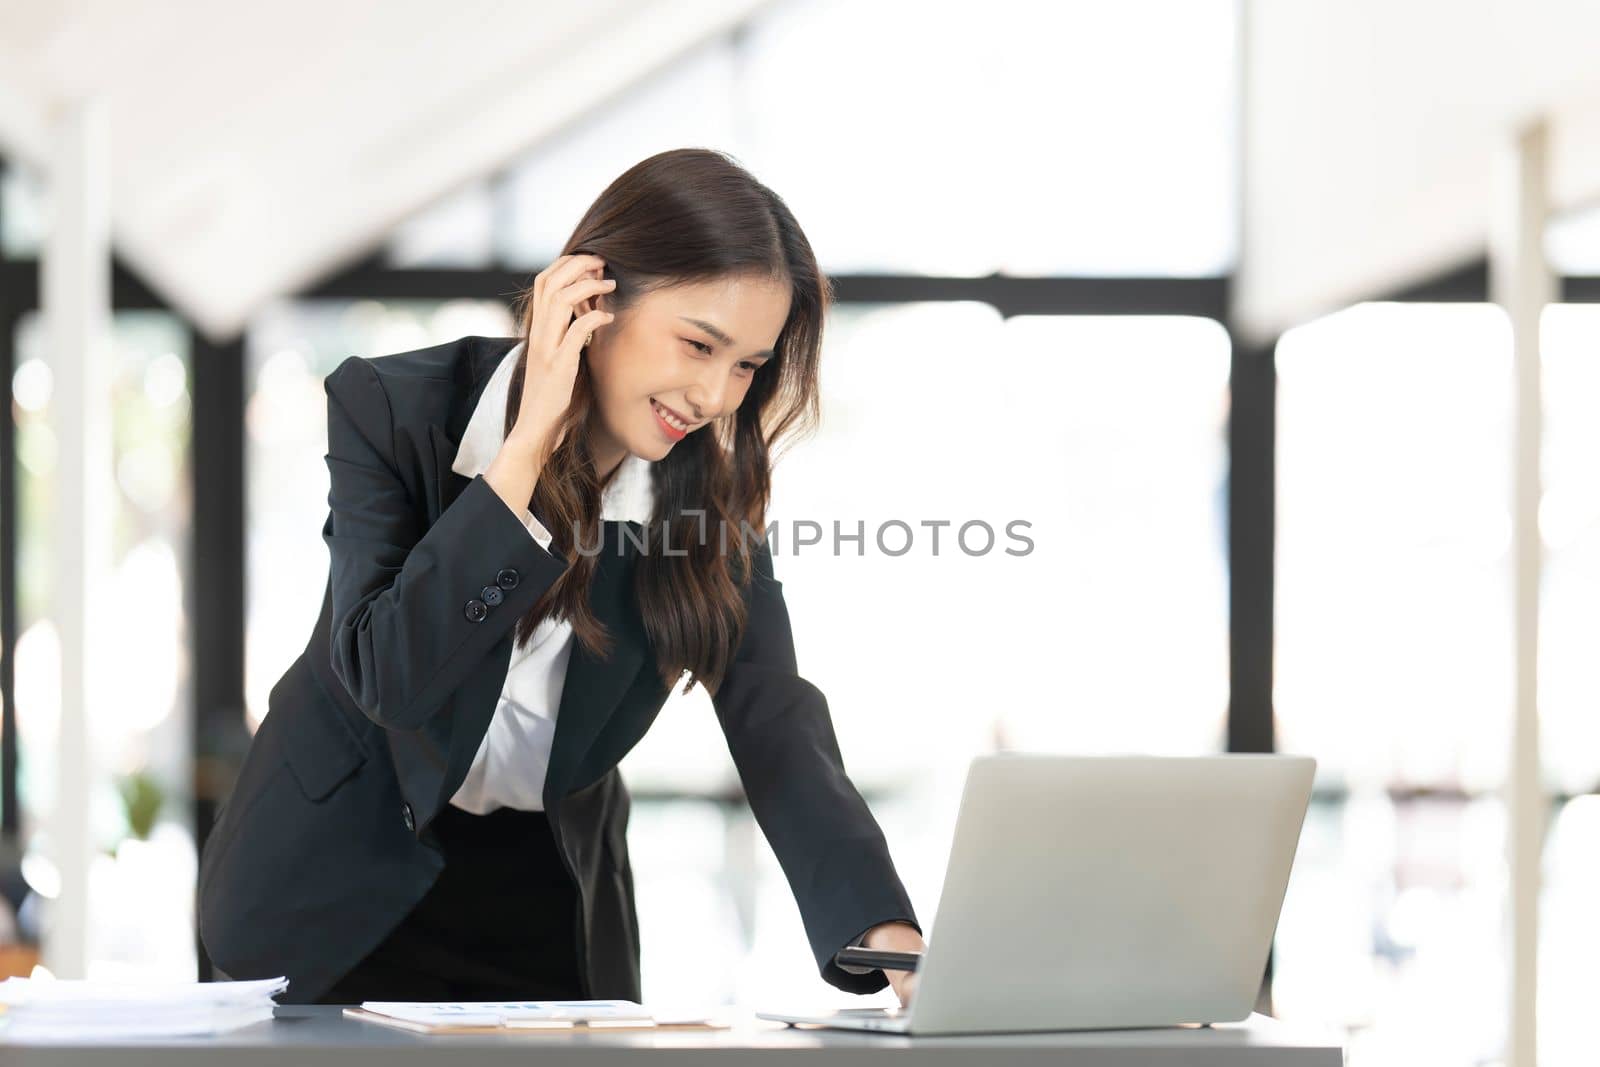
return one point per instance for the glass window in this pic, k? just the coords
(1106, 437)
(1394, 531)
(24, 212)
(290, 349)
(1394, 661)
(1392, 928)
(1572, 242)
(1569, 935)
(142, 877)
(1569, 523)
(1395, 648)
(1569, 679)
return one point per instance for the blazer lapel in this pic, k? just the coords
(471, 376)
(447, 483)
(471, 720)
(594, 687)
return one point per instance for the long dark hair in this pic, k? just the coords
(683, 216)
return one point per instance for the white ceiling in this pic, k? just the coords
(1373, 136)
(256, 148)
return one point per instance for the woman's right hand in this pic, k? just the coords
(554, 343)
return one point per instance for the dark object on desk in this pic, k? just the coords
(880, 958)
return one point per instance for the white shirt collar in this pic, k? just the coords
(629, 497)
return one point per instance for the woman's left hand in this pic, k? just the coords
(897, 937)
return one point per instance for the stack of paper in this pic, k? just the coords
(54, 1009)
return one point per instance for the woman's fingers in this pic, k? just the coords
(565, 283)
(558, 321)
(581, 327)
(554, 341)
(563, 270)
(583, 289)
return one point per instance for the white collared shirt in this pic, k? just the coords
(509, 768)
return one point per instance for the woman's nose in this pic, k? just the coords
(705, 396)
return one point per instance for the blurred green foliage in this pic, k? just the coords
(142, 797)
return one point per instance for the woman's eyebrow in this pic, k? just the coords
(722, 338)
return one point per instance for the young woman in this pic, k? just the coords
(531, 541)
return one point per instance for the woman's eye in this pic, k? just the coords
(700, 345)
(752, 367)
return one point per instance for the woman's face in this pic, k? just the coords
(677, 359)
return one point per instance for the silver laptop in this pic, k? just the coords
(1104, 892)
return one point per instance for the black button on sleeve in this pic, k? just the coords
(506, 579)
(477, 611)
(492, 595)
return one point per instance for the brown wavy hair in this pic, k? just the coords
(679, 217)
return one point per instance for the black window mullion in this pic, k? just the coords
(10, 805)
(217, 581)
(1252, 491)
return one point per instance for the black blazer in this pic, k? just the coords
(324, 845)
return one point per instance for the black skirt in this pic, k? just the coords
(499, 924)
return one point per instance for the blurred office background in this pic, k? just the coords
(1221, 296)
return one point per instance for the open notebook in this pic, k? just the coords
(522, 1016)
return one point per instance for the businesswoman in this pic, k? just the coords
(531, 541)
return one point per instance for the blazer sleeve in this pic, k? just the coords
(402, 637)
(783, 745)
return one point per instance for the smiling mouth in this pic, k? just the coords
(670, 417)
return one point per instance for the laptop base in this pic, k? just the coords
(878, 1020)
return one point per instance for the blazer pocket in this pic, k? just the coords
(321, 748)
